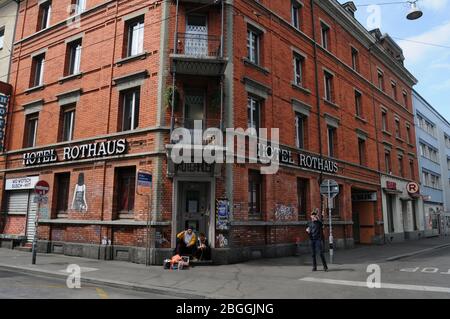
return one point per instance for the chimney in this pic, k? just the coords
(350, 7)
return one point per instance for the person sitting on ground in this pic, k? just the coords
(186, 243)
(203, 249)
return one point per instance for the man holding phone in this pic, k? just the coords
(315, 231)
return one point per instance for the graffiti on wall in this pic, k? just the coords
(284, 212)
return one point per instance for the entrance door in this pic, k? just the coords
(194, 207)
(196, 43)
(356, 225)
(194, 106)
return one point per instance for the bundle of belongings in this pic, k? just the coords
(177, 262)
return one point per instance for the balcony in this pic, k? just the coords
(198, 54)
(198, 124)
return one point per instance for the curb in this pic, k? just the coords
(113, 283)
(414, 253)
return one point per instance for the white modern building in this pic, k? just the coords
(8, 16)
(433, 143)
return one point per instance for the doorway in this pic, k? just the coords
(194, 207)
(196, 35)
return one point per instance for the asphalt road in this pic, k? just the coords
(17, 285)
(422, 276)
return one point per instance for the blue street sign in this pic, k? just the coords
(144, 179)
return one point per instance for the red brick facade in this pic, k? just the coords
(96, 92)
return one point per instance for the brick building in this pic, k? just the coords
(98, 91)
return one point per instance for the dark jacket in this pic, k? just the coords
(315, 230)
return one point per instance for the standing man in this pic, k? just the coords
(315, 231)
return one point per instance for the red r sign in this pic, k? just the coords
(412, 188)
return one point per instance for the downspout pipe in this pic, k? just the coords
(316, 79)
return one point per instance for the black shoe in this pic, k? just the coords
(314, 269)
(325, 269)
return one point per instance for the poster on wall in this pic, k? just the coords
(222, 214)
(79, 202)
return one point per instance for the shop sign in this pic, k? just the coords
(3, 110)
(71, 153)
(21, 183)
(144, 179)
(391, 185)
(412, 188)
(300, 159)
(194, 168)
(364, 197)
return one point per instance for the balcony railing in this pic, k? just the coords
(199, 45)
(201, 125)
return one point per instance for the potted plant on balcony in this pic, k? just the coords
(168, 94)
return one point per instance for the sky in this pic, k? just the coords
(430, 64)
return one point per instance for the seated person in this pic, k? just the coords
(186, 243)
(203, 249)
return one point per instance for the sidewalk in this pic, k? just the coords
(263, 278)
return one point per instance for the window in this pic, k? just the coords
(130, 109)
(79, 6)
(68, 123)
(135, 36)
(362, 152)
(331, 141)
(397, 128)
(63, 189)
(447, 140)
(37, 70)
(125, 189)
(384, 121)
(253, 113)
(298, 69)
(295, 14)
(408, 134)
(302, 196)
(400, 165)
(387, 161)
(328, 78)
(358, 104)
(426, 125)
(380, 80)
(44, 15)
(73, 57)
(253, 45)
(405, 99)
(2, 37)
(394, 90)
(355, 60)
(31, 124)
(254, 194)
(412, 169)
(429, 152)
(325, 32)
(300, 126)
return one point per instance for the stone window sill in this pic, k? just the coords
(386, 132)
(70, 77)
(331, 103)
(140, 56)
(359, 118)
(300, 88)
(256, 66)
(35, 88)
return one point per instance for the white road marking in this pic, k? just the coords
(383, 285)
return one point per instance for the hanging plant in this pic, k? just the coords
(168, 94)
